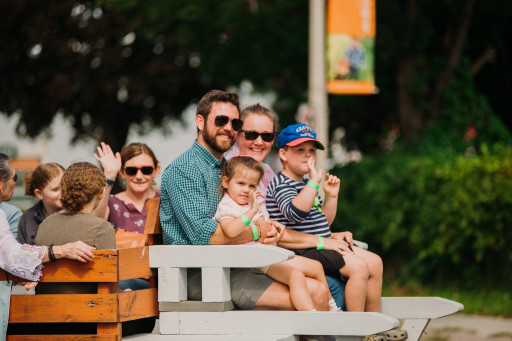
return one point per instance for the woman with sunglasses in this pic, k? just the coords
(138, 166)
(255, 139)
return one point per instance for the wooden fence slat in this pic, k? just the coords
(70, 337)
(134, 263)
(64, 308)
(138, 304)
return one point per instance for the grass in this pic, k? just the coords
(491, 302)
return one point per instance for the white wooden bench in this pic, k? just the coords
(214, 319)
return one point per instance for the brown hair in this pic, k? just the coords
(258, 109)
(135, 149)
(80, 183)
(41, 176)
(232, 166)
(205, 103)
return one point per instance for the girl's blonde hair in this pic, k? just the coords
(81, 182)
(233, 166)
(41, 176)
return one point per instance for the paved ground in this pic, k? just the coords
(462, 327)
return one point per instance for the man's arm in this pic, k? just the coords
(184, 194)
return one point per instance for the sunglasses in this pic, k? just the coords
(253, 135)
(222, 120)
(15, 177)
(146, 170)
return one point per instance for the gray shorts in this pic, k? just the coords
(247, 286)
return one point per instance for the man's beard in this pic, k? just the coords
(210, 140)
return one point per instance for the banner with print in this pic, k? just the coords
(351, 47)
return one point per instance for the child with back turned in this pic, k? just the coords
(294, 201)
(240, 208)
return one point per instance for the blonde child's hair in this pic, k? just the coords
(80, 183)
(235, 164)
(41, 176)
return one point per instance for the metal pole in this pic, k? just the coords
(317, 93)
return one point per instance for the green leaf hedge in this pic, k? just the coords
(435, 218)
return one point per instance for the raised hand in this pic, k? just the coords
(255, 203)
(331, 185)
(110, 162)
(314, 175)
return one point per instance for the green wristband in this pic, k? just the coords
(313, 184)
(245, 220)
(320, 245)
(254, 232)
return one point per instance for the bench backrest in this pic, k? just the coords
(108, 307)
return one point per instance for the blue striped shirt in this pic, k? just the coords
(189, 197)
(280, 193)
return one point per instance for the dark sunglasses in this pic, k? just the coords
(146, 170)
(15, 178)
(253, 135)
(222, 120)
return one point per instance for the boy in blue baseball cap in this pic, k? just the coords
(293, 200)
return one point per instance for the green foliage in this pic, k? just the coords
(439, 217)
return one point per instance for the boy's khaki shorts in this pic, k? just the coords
(247, 286)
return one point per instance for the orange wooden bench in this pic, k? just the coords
(108, 308)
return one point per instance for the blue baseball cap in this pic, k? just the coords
(296, 134)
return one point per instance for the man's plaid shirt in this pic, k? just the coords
(189, 197)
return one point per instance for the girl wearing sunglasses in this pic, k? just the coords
(138, 166)
(255, 139)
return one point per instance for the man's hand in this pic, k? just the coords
(268, 232)
(331, 185)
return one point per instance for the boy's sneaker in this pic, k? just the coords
(375, 337)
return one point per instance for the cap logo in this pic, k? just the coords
(304, 131)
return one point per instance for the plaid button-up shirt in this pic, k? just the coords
(189, 197)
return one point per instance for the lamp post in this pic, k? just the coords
(317, 92)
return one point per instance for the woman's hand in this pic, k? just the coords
(77, 251)
(314, 176)
(111, 163)
(331, 185)
(28, 285)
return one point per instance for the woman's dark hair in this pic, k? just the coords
(135, 149)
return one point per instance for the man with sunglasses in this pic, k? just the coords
(190, 195)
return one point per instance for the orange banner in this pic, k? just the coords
(351, 47)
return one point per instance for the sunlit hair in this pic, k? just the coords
(238, 164)
(81, 182)
(41, 176)
(206, 102)
(258, 109)
(5, 167)
(135, 149)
